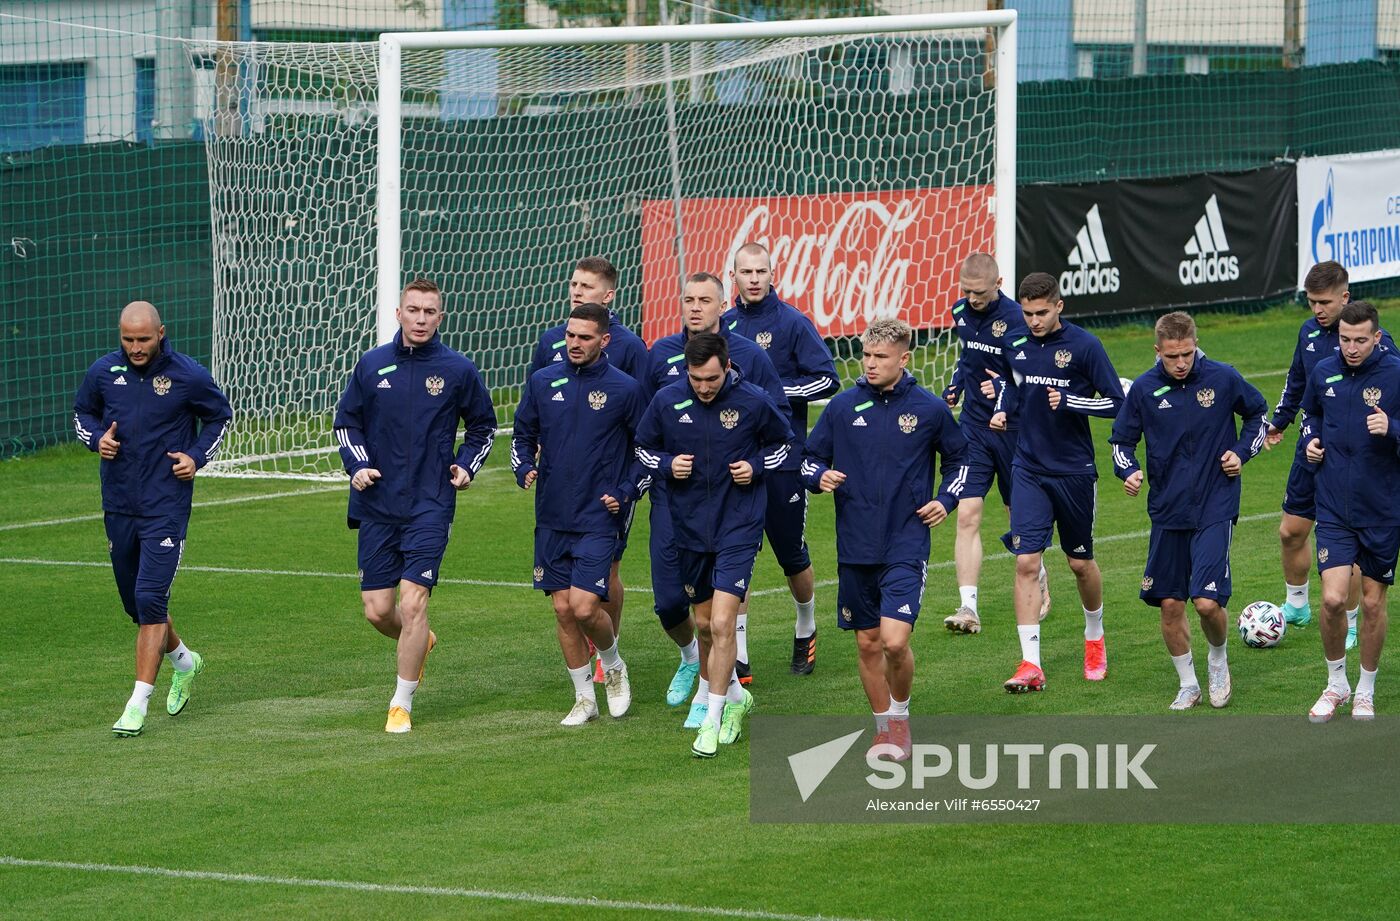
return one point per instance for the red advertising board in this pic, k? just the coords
(843, 259)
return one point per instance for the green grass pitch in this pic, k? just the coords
(279, 768)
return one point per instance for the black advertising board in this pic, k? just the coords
(1125, 246)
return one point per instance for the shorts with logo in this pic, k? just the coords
(989, 454)
(1040, 502)
(394, 553)
(565, 559)
(669, 599)
(866, 593)
(1183, 563)
(786, 519)
(1374, 550)
(145, 553)
(730, 569)
(1300, 496)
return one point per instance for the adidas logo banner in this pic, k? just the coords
(1125, 245)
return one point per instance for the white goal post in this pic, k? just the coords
(871, 155)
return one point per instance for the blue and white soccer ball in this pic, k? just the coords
(1262, 625)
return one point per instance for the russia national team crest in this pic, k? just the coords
(597, 399)
(1147, 584)
(539, 573)
(690, 591)
(1015, 542)
(908, 422)
(1371, 396)
(1206, 397)
(846, 614)
(998, 328)
(435, 385)
(161, 385)
(1062, 358)
(729, 418)
(764, 339)
(1322, 555)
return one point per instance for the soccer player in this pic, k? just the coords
(1352, 401)
(808, 373)
(1185, 405)
(702, 305)
(1326, 288)
(986, 320)
(717, 439)
(396, 423)
(594, 281)
(573, 438)
(155, 417)
(873, 447)
(1056, 370)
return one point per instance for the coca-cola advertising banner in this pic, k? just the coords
(1124, 246)
(843, 259)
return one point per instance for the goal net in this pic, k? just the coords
(870, 156)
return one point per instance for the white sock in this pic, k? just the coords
(140, 695)
(806, 618)
(1042, 575)
(1337, 675)
(899, 709)
(741, 637)
(882, 721)
(735, 691)
(180, 658)
(1366, 684)
(403, 696)
(702, 692)
(1186, 670)
(1351, 617)
(1216, 656)
(690, 652)
(1093, 624)
(969, 597)
(1030, 643)
(582, 677)
(716, 711)
(1297, 594)
(610, 659)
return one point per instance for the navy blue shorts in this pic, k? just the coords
(145, 555)
(1183, 564)
(786, 519)
(565, 559)
(864, 594)
(669, 599)
(727, 570)
(629, 511)
(1372, 549)
(394, 553)
(1040, 502)
(989, 454)
(1300, 496)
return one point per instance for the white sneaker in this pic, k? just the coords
(1219, 684)
(585, 710)
(1044, 578)
(1363, 707)
(1328, 703)
(619, 691)
(963, 620)
(1186, 698)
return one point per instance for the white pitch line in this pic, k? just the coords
(395, 889)
(490, 583)
(212, 502)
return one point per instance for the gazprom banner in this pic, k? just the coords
(1349, 210)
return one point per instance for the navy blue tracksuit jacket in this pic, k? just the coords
(626, 350)
(581, 423)
(1189, 425)
(885, 444)
(171, 405)
(399, 415)
(985, 336)
(1360, 471)
(709, 511)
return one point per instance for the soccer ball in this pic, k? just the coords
(1262, 625)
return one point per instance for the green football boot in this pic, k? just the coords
(706, 741)
(731, 726)
(181, 685)
(131, 723)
